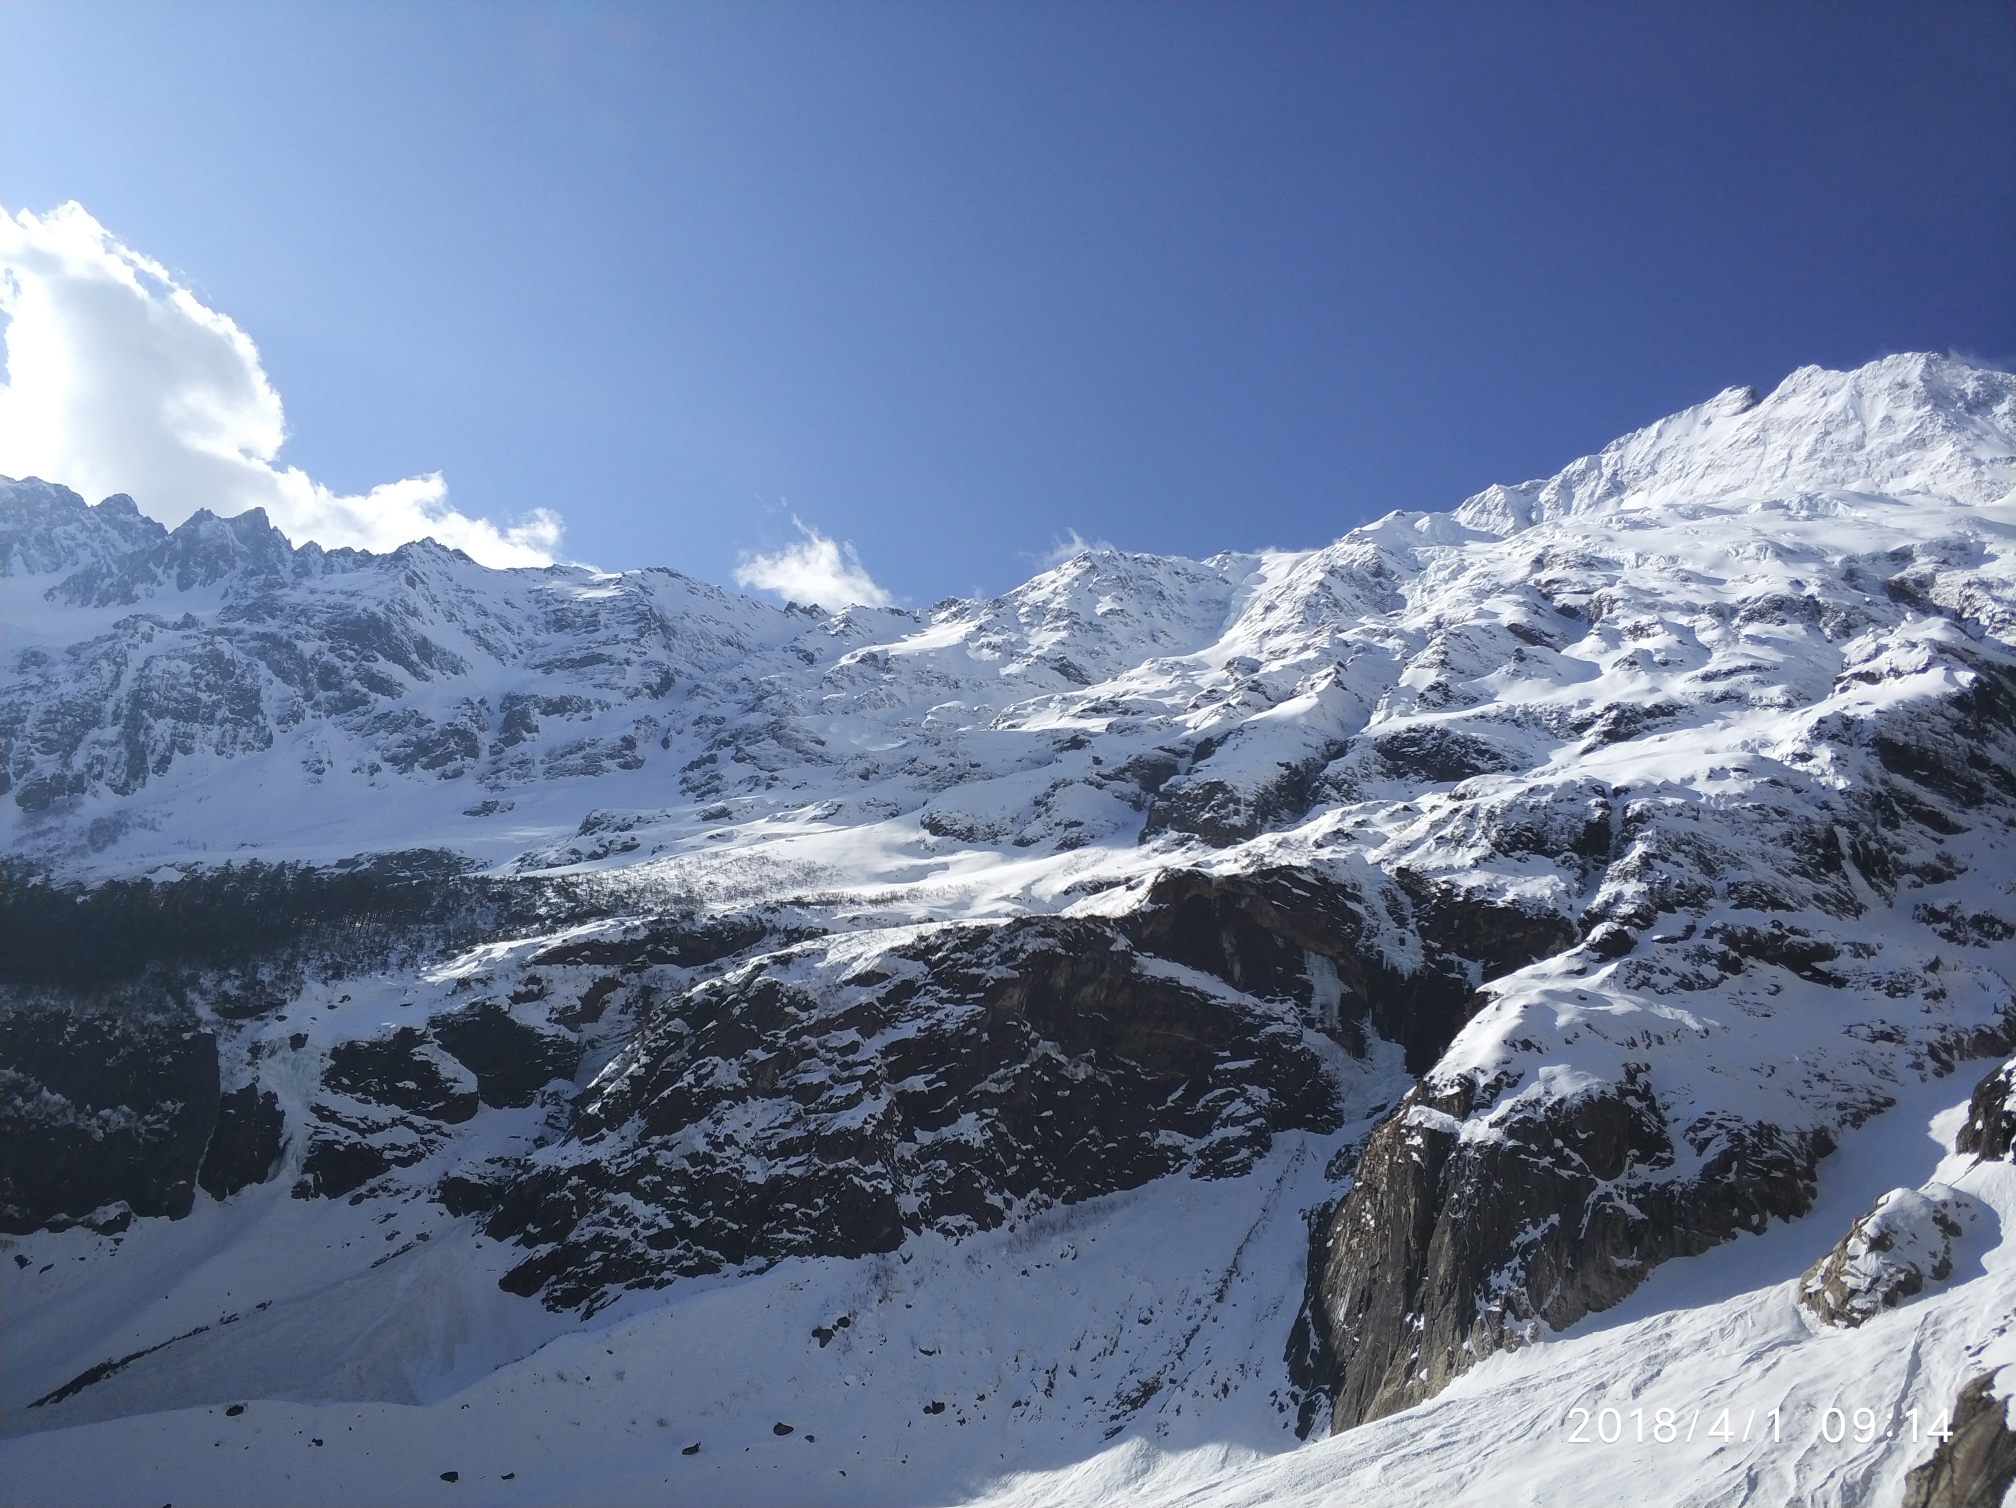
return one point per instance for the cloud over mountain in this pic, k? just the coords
(119, 379)
(814, 569)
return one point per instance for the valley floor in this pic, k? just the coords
(1125, 1350)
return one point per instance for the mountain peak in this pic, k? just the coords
(45, 528)
(1911, 423)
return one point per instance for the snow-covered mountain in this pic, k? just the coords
(1110, 1033)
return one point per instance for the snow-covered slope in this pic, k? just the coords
(1125, 1350)
(1389, 954)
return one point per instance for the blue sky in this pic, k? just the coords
(951, 282)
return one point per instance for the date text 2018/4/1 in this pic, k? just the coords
(1665, 1426)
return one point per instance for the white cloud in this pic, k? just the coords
(813, 569)
(120, 380)
(1070, 547)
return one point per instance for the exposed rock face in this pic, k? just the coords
(50, 529)
(1990, 1130)
(814, 1103)
(684, 942)
(1330, 946)
(386, 1102)
(126, 1005)
(1311, 1359)
(1973, 1469)
(512, 1062)
(1461, 1238)
(1889, 1254)
(244, 936)
(1227, 810)
(246, 1146)
(404, 1071)
(106, 1104)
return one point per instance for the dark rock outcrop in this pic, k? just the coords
(512, 1061)
(476, 1189)
(109, 1064)
(246, 1146)
(1991, 1115)
(241, 936)
(1436, 754)
(1311, 1359)
(941, 1085)
(684, 942)
(101, 1104)
(1975, 1466)
(1293, 934)
(1282, 934)
(1225, 812)
(335, 1166)
(405, 1071)
(388, 1101)
(1450, 1247)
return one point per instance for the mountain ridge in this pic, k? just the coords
(1568, 874)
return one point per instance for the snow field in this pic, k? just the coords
(1038, 1342)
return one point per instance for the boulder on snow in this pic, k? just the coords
(1888, 1255)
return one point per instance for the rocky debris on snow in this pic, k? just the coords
(91, 1376)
